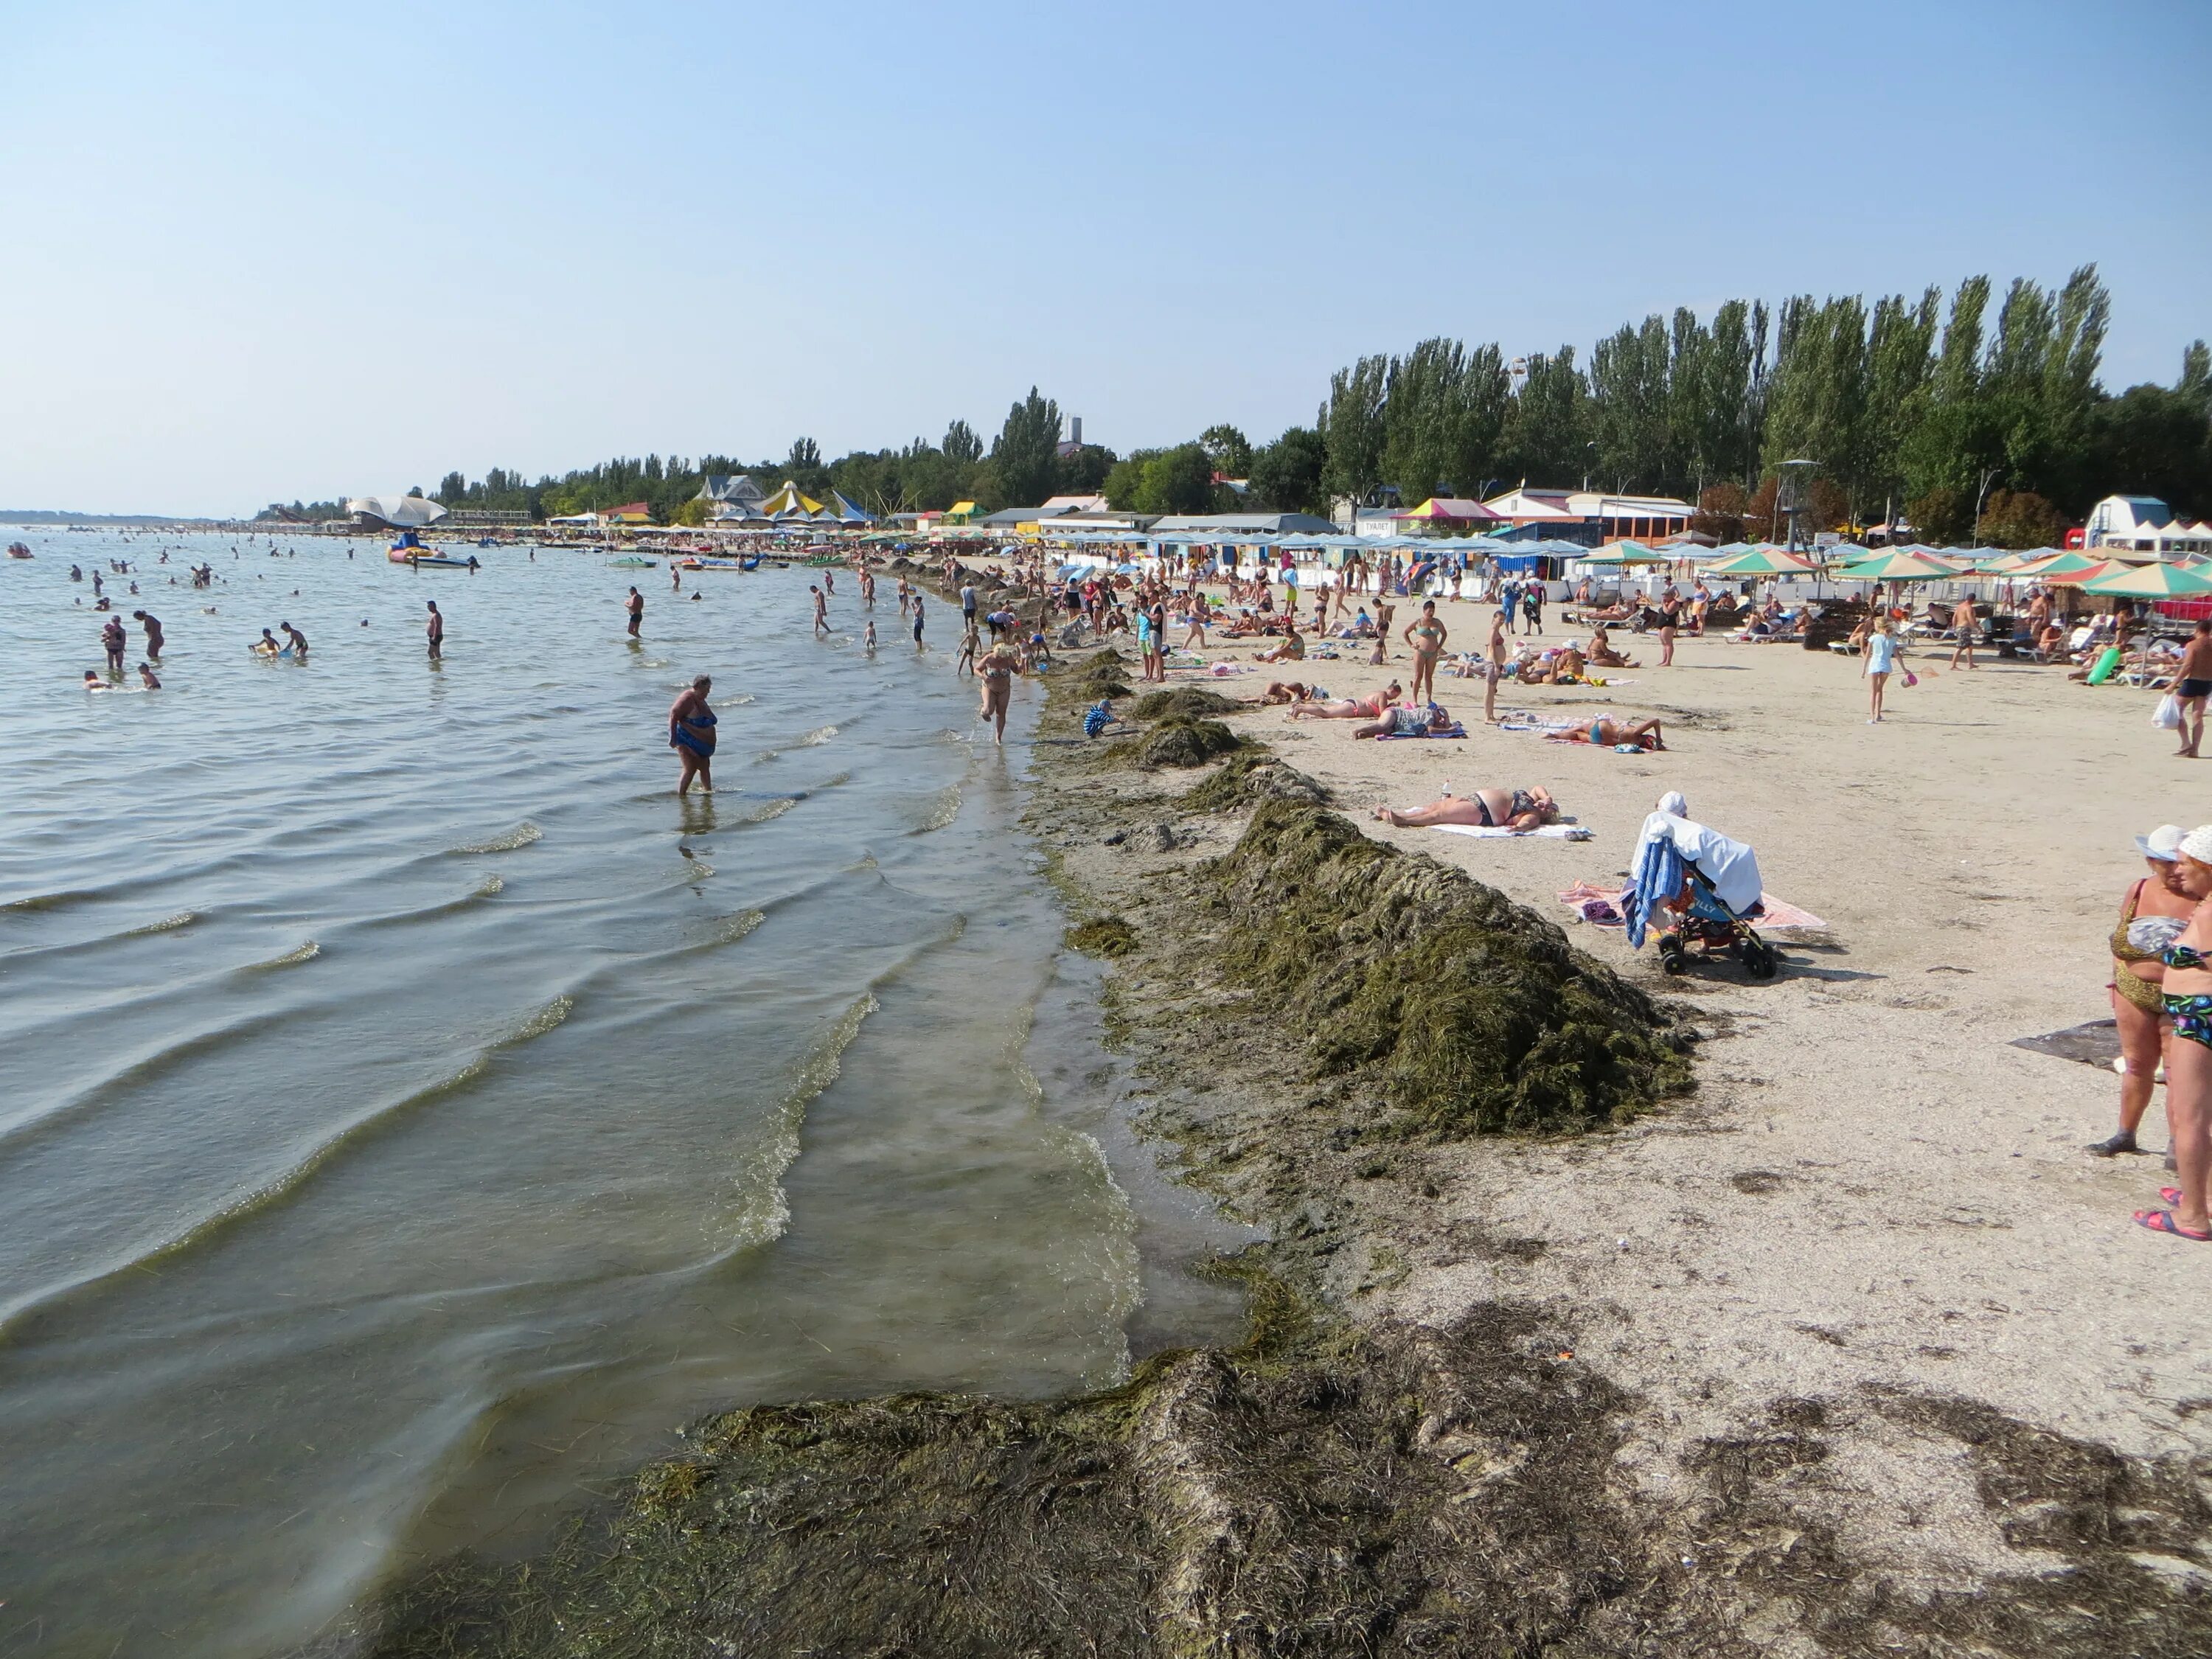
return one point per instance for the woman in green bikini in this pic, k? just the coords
(1427, 635)
(1645, 734)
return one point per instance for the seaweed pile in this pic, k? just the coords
(1474, 1013)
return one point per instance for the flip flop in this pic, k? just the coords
(2170, 1195)
(2162, 1221)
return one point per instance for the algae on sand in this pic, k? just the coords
(1248, 777)
(1477, 1014)
(1189, 701)
(1182, 742)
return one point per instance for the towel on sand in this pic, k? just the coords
(1487, 832)
(1455, 730)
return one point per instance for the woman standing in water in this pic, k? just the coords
(692, 735)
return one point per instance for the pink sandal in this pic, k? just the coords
(2162, 1221)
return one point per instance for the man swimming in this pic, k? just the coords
(917, 618)
(299, 640)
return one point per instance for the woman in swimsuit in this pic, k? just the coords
(1427, 635)
(1347, 708)
(1645, 734)
(692, 735)
(2187, 989)
(1518, 810)
(997, 669)
(2138, 1004)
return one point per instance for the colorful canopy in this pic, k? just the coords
(1895, 568)
(1625, 553)
(1762, 561)
(788, 503)
(2152, 581)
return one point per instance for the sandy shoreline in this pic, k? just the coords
(1851, 1350)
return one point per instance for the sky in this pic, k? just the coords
(266, 252)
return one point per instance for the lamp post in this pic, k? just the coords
(1981, 495)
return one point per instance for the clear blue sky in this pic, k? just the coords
(251, 251)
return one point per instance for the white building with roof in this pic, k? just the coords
(2144, 524)
(1594, 516)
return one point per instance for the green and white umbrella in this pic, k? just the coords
(2153, 581)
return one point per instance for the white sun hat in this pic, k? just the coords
(2198, 844)
(2163, 844)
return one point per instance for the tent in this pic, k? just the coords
(845, 513)
(400, 512)
(787, 504)
(1452, 509)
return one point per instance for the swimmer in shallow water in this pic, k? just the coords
(148, 679)
(997, 669)
(692, 735)
(868, 637)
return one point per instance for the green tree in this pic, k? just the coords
(1628, 391)
(1352, 427)
(1287, 474)
(1229, 450)
(1026, 455)
(1549, 427)
(960, 444)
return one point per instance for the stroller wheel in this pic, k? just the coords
(1758, 958)
(1673, 959)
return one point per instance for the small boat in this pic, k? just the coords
(753, 563)
(694, 563)
(17, 550)
(438, 562)
(632, 563)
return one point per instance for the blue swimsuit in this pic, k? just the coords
(695, 732)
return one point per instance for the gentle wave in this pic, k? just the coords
(938, 810)
(289, 1181)
(521, 836)
(813, 739)
(761, 1213)
(166, 925)
(291, 958)
(54, 901)
(734, 928)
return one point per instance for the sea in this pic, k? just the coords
(412, 1112)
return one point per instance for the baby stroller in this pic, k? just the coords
(1678, 859)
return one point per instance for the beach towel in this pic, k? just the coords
(1598, 903)
(1455, 730)
(1491, 831)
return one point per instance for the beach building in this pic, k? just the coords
(1589, 518)
(2144, 524)
(395, 512)
(731, 496)
(1230, 525)
(627, 513)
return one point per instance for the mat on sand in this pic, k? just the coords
(1491, 831)
(1775, 917)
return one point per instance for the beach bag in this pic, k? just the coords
(1909, 677)
(2167, 714)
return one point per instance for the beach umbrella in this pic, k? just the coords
(1898, 566)
(1762, 561)
(2083, 577)
(2152, 581)
(2057, 565)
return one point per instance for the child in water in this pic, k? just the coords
(868, 638)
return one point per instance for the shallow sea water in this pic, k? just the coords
(411, 1111)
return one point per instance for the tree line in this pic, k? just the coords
(1966, 415)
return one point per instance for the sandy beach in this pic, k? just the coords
(1872, 1190)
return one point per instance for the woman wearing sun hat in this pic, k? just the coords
(2187, 987)
(2151, 916)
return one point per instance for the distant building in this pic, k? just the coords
(629, 513)
(396, 512)
(1590, 518)
(2144, 524)
(1056, 506)
(731, 496)
(1073, 443)
(1229, 526)
(1446, 515)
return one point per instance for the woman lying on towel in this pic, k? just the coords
(1347, 708)
(1410, 722)
(1518, 810)
(1645, 734)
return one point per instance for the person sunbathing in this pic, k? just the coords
(1518, 810)
(1602, 654)
(1292, 649)
(1408, 722)
(1347, 709)
(1605, 733)
(1292, 691)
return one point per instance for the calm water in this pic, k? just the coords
(410, 1111)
